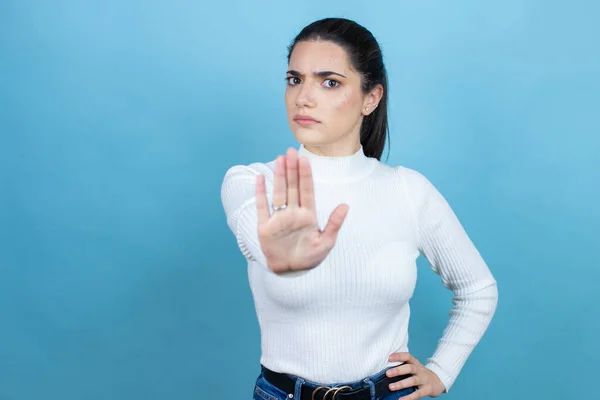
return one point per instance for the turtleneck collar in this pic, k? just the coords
(338, 169)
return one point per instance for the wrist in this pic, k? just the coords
(438, 384)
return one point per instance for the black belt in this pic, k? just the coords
(288, 385)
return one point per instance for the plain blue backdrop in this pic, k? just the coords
(119, 278)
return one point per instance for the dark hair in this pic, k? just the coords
(366, 59)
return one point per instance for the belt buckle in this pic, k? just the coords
(334, 389)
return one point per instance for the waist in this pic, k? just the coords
(299, 388)
(332, 357)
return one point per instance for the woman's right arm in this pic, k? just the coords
(238, 195)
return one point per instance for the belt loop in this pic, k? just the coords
(369, 382)
(298, 389)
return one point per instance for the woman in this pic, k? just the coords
(332, 266)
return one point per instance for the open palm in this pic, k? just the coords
(290, 238)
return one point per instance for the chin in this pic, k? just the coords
(309, 136)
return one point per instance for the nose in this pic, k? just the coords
(305, 97)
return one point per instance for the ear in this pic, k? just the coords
(372, 99)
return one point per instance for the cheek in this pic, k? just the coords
(347, 101)
(289, 101)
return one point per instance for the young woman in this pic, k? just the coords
(331, 235)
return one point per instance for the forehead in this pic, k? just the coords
(309, 56)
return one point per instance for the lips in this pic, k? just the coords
(305, 120)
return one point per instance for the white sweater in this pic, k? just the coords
(340, 321)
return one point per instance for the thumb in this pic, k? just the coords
(336, 219)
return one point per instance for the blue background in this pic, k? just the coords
(119, 278)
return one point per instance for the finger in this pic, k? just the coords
(334, 224)
(307, 196)
(279, 183)
(405, 383)
(404, 369)
(262, 205)
(291, 162)
(418, 394)
(402, 357)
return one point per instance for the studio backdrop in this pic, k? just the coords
(119, 278)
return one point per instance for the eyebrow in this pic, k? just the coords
(321, 74)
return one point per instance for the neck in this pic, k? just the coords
(335, 150)
(337, 168)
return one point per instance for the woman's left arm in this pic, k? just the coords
(451, 254)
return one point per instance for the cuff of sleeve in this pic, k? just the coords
(447, 379)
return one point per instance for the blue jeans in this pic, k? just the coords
(264, 390)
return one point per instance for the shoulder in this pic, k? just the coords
(410, 182)
(417, 189)
(249, 171)
(238, 186)
(414, 181)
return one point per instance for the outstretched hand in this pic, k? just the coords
(290, 238)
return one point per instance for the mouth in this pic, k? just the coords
(305, 120)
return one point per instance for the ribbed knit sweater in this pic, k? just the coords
(340, 321)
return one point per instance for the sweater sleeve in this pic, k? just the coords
(238, 196)
(451, 254)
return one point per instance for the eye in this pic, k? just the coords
(292, 80)
(331, 83)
